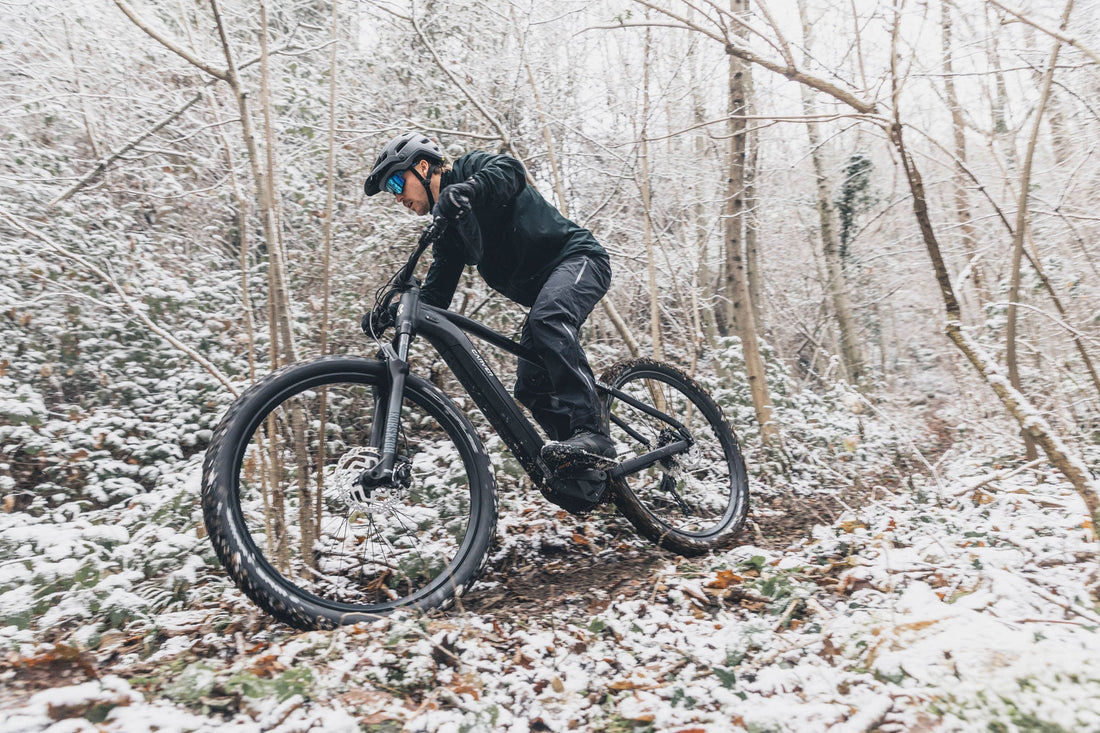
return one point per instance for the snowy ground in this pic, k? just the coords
(961, 604)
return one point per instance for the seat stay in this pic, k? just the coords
(651, 411)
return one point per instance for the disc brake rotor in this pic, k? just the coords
(344, 477)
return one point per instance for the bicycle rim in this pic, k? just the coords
(336, 545)
(696, 500)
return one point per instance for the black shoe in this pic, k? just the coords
(586, 449)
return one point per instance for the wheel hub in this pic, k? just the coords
(668, 436)
(345, 477)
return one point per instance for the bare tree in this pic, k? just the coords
(1022, 221)
(836, 285)
(740, 312)
(975, 265)
(1013, 401)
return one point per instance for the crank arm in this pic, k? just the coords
(644, 461)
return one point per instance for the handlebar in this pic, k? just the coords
(431, 234)
(379, 318)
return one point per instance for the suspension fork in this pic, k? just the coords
(386, 423)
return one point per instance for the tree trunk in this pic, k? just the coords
(836, 285)
(975, 266)
(651, 255)
(280, 293)
(733, 252)
(1022, 221)
(753, 265)
(547, 137)
(326, 264)
(740, 311)
(1014, 402)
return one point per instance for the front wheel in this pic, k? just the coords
(697, 500)
(301, 537)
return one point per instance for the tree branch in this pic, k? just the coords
(796, 75)
(497, 124)
(129, 304)
(1069, 41)
(790, 71)
(169, 44)
(677, 26)
(102, 165)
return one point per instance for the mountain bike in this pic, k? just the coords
(339, 489)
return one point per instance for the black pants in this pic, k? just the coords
(561, 391)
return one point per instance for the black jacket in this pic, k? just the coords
(515, 237)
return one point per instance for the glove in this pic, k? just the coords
(375, 322)
(456, 200)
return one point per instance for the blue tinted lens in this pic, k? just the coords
(395, 184)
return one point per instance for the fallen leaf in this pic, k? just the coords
(268, 666)
(725, 579)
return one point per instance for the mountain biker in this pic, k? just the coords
(525, 249)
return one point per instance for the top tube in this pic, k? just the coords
(482, 331)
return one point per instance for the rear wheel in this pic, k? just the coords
(695, 501)
(303, 539)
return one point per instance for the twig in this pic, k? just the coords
(169, 44)
(149, 323)
(466, 91)
(1047, 596)
(786, 614)
(102, 165)
(1069, 41)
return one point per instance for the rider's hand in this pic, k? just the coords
(456, 200)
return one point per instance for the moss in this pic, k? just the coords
(292, 682)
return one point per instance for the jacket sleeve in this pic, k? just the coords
(500, 178)
(442, 279)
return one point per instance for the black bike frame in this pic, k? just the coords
(446, 332)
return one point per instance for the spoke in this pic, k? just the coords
(365, 551)
(381, 541)
(415, 549)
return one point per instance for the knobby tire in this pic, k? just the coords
(296, 535)
(696, 502)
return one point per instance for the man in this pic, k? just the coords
(524, 248)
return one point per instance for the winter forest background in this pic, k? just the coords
(869, 227)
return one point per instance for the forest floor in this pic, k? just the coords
(961, 601)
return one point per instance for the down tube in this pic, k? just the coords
(485, 388)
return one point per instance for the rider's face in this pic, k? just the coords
(414, 197)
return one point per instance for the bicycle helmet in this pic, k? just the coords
(399, 155)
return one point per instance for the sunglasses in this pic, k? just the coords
(395, 184)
